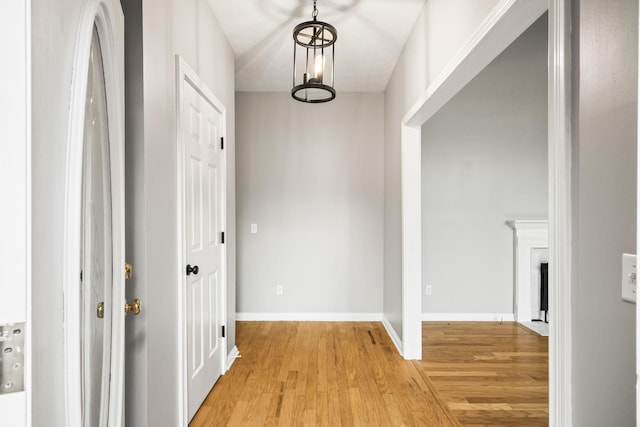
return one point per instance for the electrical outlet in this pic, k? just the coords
(629, 277)
(279, 290)
(427, 289)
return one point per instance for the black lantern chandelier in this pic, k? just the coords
(313, 65)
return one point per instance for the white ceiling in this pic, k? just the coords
(371, 35)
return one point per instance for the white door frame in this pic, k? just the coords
(508, 20)
(107, 16)
(15, 191)
(638, 246)
(185, 73)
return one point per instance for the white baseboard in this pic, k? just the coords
(309, 317)
(392, 334)
(232, 356)
(468, 317)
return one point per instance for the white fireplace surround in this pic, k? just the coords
(528, 236)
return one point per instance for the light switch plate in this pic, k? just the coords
(254, 228)
(629, 286)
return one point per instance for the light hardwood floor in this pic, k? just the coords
(488, 374)
(350, 374)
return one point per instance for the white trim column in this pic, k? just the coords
(560, 280)
(411, 178)
(15, 192)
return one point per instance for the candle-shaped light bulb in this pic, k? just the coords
(319, 66)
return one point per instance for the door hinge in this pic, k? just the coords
(222, 143)
(223, 332)
(222, 237)
(12, 358)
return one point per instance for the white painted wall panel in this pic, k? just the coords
(14, 162)
(187, 28)
(15, 191)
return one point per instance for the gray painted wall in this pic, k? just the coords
(439, 33)
(484, 160)
(136, 328)
(604, 210)
(187, 28)
(310, 177)
(171, 26)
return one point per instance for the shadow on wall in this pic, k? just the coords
(285, 16)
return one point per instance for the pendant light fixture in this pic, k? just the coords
(313, 65)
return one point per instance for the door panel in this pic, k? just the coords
(97, 248)
(93, 233)
(197, 351)
(213, 225)
(212, 318)
(195, 225)
(203, 227)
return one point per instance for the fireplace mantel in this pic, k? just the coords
(529, 224)
(527, 236)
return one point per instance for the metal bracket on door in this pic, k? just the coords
(11, 358)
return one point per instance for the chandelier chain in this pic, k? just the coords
(315, 11)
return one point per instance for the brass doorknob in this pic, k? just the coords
(135, 308)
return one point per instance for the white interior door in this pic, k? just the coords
(638, 252)
(96, 286)
(94, 222)
(202, 130)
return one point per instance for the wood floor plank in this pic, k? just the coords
(350, 374)
(488, 374)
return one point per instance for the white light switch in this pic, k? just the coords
(254, 228)
(629, 277)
